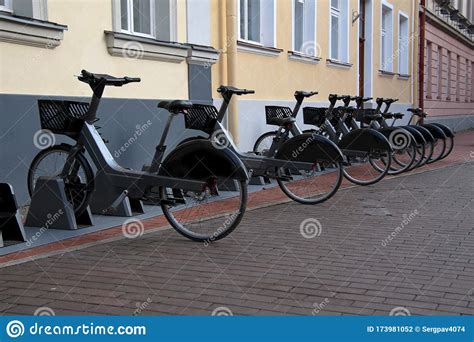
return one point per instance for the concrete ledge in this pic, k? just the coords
(457, 123)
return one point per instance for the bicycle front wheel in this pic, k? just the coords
(264, 142)
(367, 168)
(79, 181)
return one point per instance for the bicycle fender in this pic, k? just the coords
(364, 139)
(196, 158)
(426, 134)
(435, 131)
(309, 148)
(419, 139)
(448, 131)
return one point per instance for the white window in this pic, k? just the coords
(304, 27)
(147, 18)
(36, 9)
(386, 52)
(257, 21)
(338, 30)
(403, 44)
(6, 5)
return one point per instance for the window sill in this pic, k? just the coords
(31, 32)
(403, 77)
(338, 64)
(386, 73)
(301, 57)
(258, 49)
(135, 47)
(202, 55)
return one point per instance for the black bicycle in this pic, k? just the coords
(190, 184)
(307, 168)
(361, 148)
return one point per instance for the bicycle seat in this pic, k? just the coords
(305, 93)
(418, 112)
(176, 106)
(234, 90)
(393, 115)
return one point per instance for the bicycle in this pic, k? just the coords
(404, 146)
(449, 139)
(297, 174)
(186, 184)
(376, 119)
(358, 147)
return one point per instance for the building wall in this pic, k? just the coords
(275, 77)
(449, 69)
(29, 73)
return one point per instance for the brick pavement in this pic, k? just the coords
(267, 266)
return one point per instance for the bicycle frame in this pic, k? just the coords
(134, 183)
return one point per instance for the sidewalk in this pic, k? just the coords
(273, 263)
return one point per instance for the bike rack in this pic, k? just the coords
(51, 209)
(107, 200)
(11, 226)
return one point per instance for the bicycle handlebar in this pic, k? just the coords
(91, 78)
(235, 91)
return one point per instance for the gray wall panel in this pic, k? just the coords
(119, 120)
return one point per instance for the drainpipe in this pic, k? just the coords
(222, 43)
(231, 44)
(421, 66)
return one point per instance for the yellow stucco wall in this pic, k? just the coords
(393, 86)
(278, 77)
(32, 70)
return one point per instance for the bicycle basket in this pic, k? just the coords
(201, 117)
(314, 116)
(62, 117)
(275, 114)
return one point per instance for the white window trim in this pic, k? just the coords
(346, 6)
(7, 7)
(245, 39)
(315, 27)
(130, 30)
(382, 62)
(404, 15)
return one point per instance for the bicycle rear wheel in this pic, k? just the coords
(367, 168)
(79, 182)
(209, 215)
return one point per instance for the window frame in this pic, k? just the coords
(130, 21)
(406, 49)
(117, 22)
(246, 23)
(342, 13)
(7, 7)
(304, 37)
(383, 65)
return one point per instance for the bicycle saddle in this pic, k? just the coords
(417, 111)
(305, 93)
(234, 90)
(176, 106)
